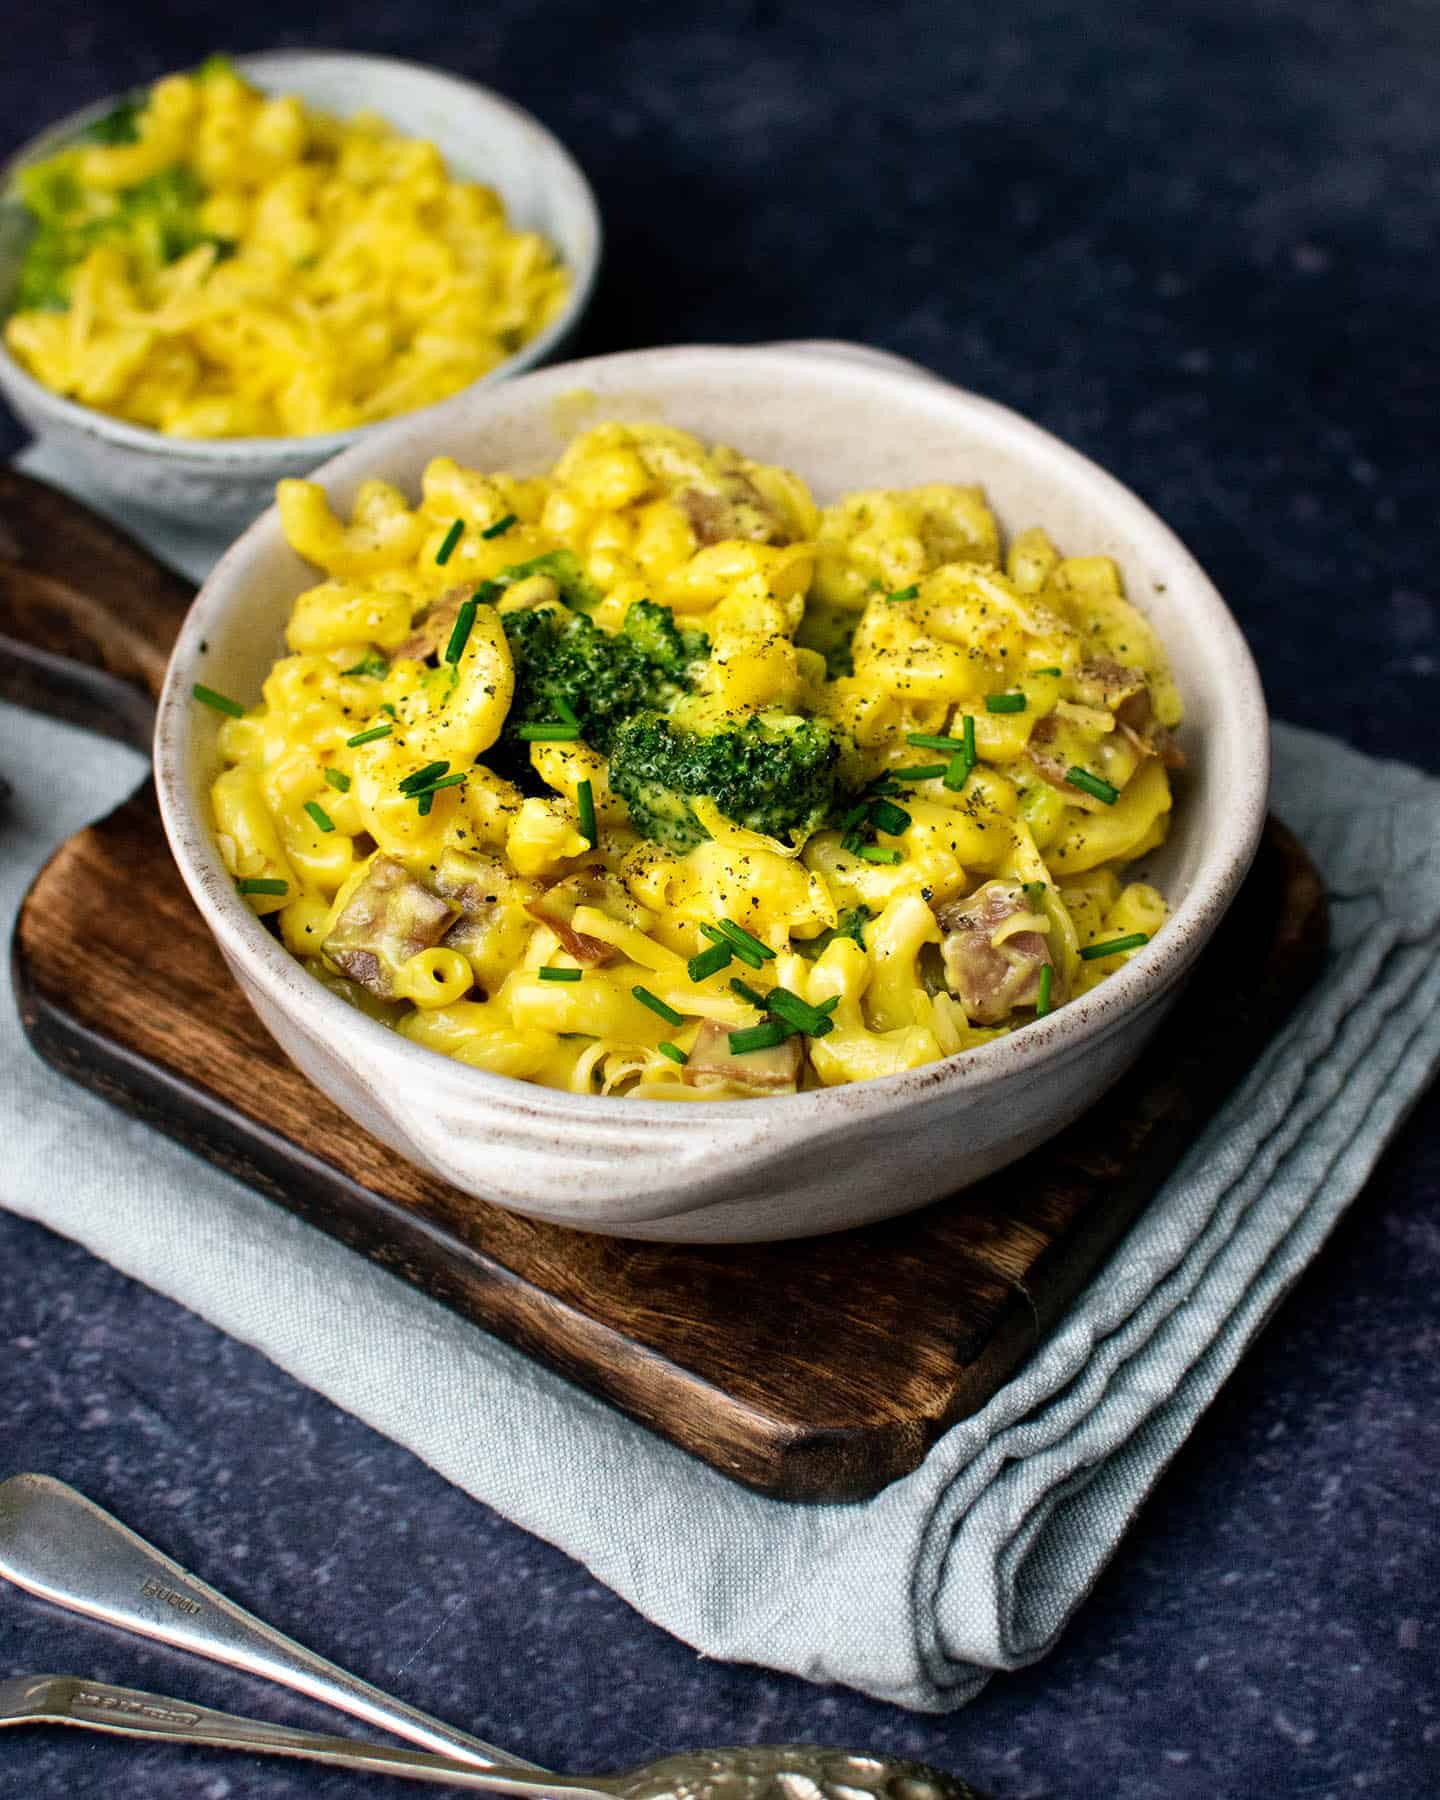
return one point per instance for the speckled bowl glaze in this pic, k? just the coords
(787, 1166)
(229, 480)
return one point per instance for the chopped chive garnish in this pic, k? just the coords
(746, 992)
(710, 962)
(338, 779)
(452, 538)
(743, 951)
(920, 772)
(957, 772)
(1042, 999)
(222, 703)
(855, 816)
(906, 593)
(386, 707)
(1005, 703)
(963, 761)
(261, 884)
(460, 636)
(759, 1037)
(368, 737)
(673, 1051)
(318, 813)
(566, 713)
(1092, 784)
(500, 527)
(878, 853)
(889, 817)
(548, 734)
(658, 1006)
(919, 740)
(371, 663)
(739, 935)
(828, 1006)
(589, 830)
(1133, 941)
(423, 778)
(426, 795)
(797, 1012)
(549, 974)
(1045, 671)
(1034, 892)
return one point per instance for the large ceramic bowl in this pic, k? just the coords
(787, 1165)
(226, 481)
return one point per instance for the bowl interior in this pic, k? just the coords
(482, 136)
(841, 427)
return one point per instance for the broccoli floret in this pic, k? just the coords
(120, 126)
(564, 569)
(216, 63)
(155, 222)
(852, 924)
(776, 773)
(602, 677)
(653, 631)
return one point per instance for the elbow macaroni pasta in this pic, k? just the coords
(246, 267)
(478, 919)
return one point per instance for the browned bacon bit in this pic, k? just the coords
(1048, 764)
(735, 508)
(595, 887)
(430, 632)
(988, 979)
(388, 919)
(1125, 692)
(474, 881)
(1159, 741)
(1116, 688)
(712, 1063)
(476, 884)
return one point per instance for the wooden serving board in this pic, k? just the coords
(816, 1370)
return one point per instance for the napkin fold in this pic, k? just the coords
(975, 1561)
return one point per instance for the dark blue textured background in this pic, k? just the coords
(1198, 241)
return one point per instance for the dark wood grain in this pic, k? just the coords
(87, 615)
(820, 1369)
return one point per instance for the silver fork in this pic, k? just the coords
(59, 1545)
(129, 1712)
(756, 1772)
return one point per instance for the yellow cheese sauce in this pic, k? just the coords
(218, 262)
(650, 776)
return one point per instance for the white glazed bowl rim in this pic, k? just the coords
(1242, 752)
(258, 452)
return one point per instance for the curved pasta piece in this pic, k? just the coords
(1115, 833)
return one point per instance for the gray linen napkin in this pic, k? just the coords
(973, 1563)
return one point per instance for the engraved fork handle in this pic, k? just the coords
(59, 1545)
(127, 1712)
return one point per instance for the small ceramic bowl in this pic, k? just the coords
(792, 1165)
(227, 481)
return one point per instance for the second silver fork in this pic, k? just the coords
(59, 1545)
